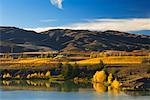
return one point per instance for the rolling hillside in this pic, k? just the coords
(13, 39)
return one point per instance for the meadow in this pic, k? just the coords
(116, 60)
(51, 62)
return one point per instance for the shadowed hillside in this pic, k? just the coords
(18, 40)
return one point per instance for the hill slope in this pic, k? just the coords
(13, 39)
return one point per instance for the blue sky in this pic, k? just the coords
(38, 14)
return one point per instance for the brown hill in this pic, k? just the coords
(13, 39)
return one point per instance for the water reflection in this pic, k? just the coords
(99, 87)
(6, 82)
(113, 91)
(137, 93)
(44, 85)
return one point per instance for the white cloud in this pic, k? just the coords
(126, 25)
(41, 29)
(57, 3)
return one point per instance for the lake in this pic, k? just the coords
(45, 90)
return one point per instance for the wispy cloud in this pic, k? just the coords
(57, 3)
(126, 25)
(134, 24)
(48, 20)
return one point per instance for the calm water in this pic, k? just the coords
(44, 90)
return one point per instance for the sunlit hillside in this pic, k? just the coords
(115, 60)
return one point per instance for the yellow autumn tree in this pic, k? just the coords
(115, 84)
(17, 76)
(42, 74)
(110, 78)
(4, 76)
(39, 75)
(48, 74)
(35, 74)
(100, 76)
(8, 75)
(32, 75)
(29, 76)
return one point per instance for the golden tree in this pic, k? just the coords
(115, 84)
(42, 74)
(4, 76)
(99, 76)
(17, 76)
(8, 75)
(48, 74)
(28, 76)
(110, 78)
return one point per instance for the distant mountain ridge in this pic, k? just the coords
(13, 39)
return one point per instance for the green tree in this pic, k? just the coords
(114, 72)
(67, 71)
(103, 67)
(76, 70)
(60, 65)
(59, 68)
(100, 66)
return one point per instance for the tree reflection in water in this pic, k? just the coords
(101, 88)
(44, 85)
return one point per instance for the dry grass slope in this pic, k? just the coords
(115, 60)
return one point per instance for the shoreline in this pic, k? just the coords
(122, 88)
